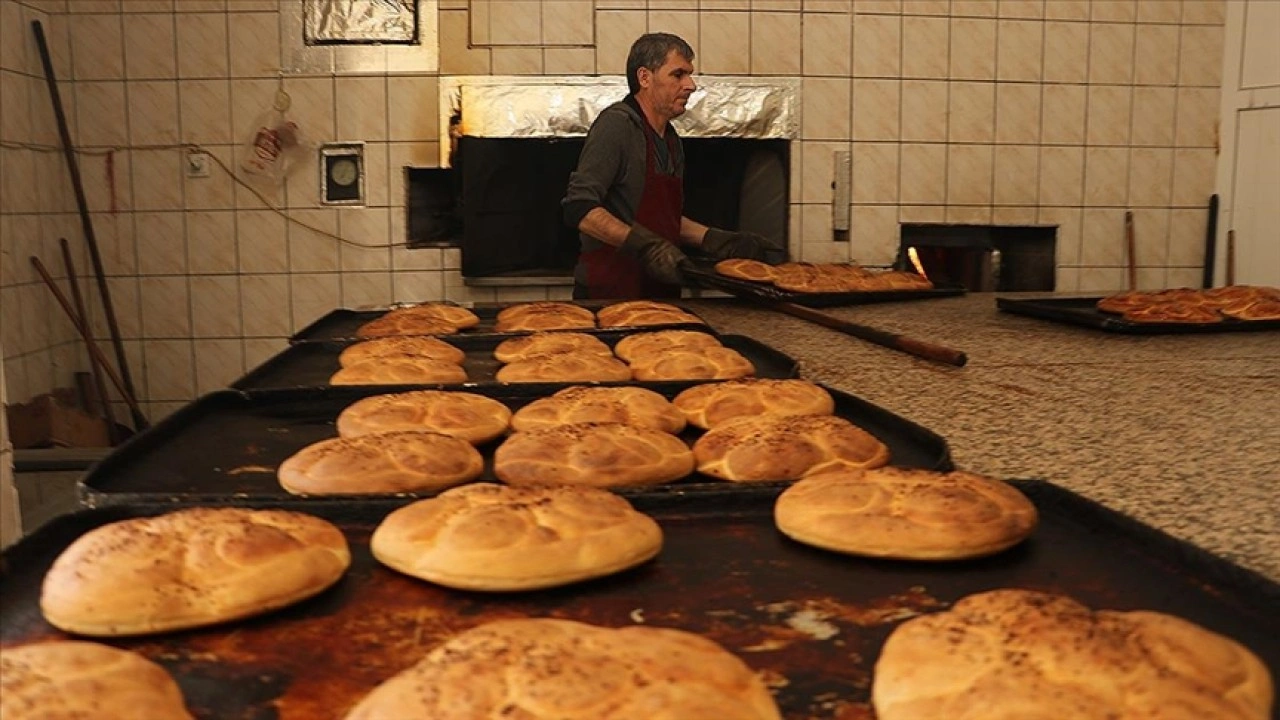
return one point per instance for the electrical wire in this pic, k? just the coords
(193, 147)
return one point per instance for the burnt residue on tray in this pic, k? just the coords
(312, 364)
(811, 622)
(228, 444)
(1083, 311)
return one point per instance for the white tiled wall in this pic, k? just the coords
(1010, 111)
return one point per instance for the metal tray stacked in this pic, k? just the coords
(709, 278)
(1085, 313)
(311, 364)
(813, 622)
(227, 445)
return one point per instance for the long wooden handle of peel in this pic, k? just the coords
(894, 341)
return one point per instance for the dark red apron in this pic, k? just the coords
(612, 274)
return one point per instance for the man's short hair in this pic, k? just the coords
(650, 51)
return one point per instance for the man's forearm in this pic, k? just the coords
(692, 232)
(604, 226)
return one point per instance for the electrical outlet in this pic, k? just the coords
(198, 165)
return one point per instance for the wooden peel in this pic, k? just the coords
(1131, 245)
(893, 341)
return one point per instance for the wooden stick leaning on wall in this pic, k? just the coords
(93, 347)
(103, 397)
(1131, 249)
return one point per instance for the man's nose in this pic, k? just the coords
(690, 83)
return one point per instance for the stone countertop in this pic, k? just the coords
(1180, 431)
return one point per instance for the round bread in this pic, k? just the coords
(756, 449)
(399, 370)
(612, 313)
(1018, 654)
(549, 343)
(708, 405)
(455, 315)
(1120, 302)
(746, 269)
(69, 679)
(543, 316)
(564, 367)
(391, 462)
(548, 669)
(595, 454)
(401, 345)
(686, 363)
(1174, 311)
(471, 417)
(500, 538)
(903, 513)
(642, 318)
(190, 568)
(1253, 310)
(407, 321)
(629, 405)
(641, 344)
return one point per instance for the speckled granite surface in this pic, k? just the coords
(1181, 432)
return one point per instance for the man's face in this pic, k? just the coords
(670, 86)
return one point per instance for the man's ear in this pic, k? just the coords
(644, 76)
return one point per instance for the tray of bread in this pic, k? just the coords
(546, 358)
(444, 319)
(878, 594)
(1232, 308)
(815, 284)
(340, 442)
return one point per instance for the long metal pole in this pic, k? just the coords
(139, 420)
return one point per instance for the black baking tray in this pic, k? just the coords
(228, 444)
(725, 572)
(342, 324)
(1083, 311)
(311, 364)
(709, 278)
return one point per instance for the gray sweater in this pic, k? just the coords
(611, 167)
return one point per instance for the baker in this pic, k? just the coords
(626, 197)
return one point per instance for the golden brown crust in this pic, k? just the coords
(455, 315)
(756, 449)
(399, 370)
(708, 405)
(903, 513)
(746, 269)
(546, 669)
(611, 314)
(642, 317)
(190, 568)
(435, 319)
(1189, 305)
(1120, 302)
(564, 367)
(544, 316)
(595, 454)
(549, 343)
(1174, 311)
(388, 462)
(474, 418)
(687, 363)
(401, 345)
(1018, 655)
(628, 405)
(492, 537)
(638, 345)
(69, 679)
(1253, 310)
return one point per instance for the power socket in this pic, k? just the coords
(198, 164)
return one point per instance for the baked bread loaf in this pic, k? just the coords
(1174, 311)
(564, 367)
(455, 315)
(548, 669)
(1018, 654)
(708, 405)
(788, 447)
(428, 319)
(629, 405)
(595, 454)
(686, 363)
(905, 513)
(1259, 309)
(492, 537)
(390, 462)
(638, 315)
(70, 679)
(474, 418)
(399, 370)
(613, 313)
(1120, 302)
(542, 316)
(549, 343)
(633, 347)
(746, 269)
(401, 345)
(190, 568)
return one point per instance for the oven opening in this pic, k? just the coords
(982, 258)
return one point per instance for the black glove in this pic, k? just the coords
(722, 245)
(661, 259)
